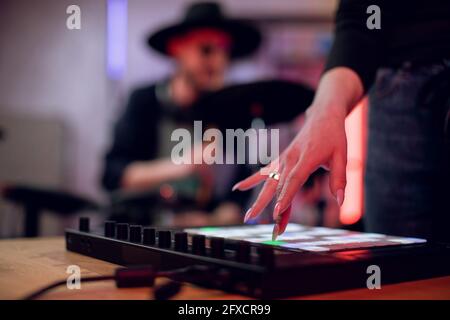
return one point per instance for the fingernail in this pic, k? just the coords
(340, 197)
(247, 215)
(276, 210)
(275, 232)
(236, 186)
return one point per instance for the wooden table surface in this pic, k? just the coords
(29, 264)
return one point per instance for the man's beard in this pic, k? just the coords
(214, 83)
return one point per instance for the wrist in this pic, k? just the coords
(339, 90)
(328, 109)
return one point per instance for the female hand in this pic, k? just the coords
(320, 142)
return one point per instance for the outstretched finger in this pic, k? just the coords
(288, 166)
(264, 198)
(249, 182)
(295, 180)
(284, 219)
(338, 179)
(258, 177)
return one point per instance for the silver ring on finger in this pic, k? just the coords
(274, 175)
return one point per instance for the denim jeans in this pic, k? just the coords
(406, 180)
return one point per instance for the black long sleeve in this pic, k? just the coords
(414, 31)
(134, 136)
(355, 46)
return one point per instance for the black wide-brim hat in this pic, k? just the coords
(245, 37)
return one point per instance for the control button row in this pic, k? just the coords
(163, 239)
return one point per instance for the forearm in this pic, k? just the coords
(339, 90)
(152, 173)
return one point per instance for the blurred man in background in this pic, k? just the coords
(202, 46)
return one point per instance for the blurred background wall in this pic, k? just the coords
(55, 78)
(50, 73)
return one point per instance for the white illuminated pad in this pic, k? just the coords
(299, 237)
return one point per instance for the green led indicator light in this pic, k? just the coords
(209, 229)
(274, 243)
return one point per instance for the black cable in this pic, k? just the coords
(54, 285)
(167, 290)
(133, 277)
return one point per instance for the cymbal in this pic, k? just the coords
(236, 106)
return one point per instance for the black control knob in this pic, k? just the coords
(149, 236)
(136, 234)
(122, 231)
(164, 239)
(243, 251)
(198, 244)
(217, 247)
(83, 224)
(110, 229)
(181, 241)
